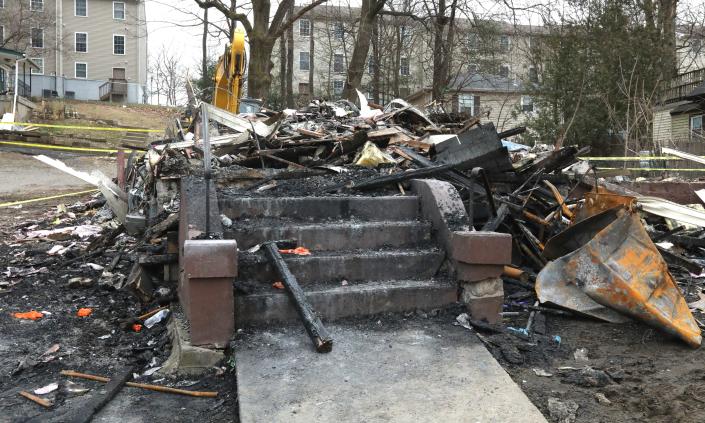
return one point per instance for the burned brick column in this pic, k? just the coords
(208, 266)
(479, 260)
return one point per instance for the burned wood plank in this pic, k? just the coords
(316, 331)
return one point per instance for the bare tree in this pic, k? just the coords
(262, 34)
(168, 76)
(356, 66)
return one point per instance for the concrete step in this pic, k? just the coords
(335, 236)
(361, 299)
(352, 266)
(314, 209)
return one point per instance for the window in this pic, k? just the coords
(338, 87)
(40, 63)
(81, 42)
(405, 33)
(70, 94)
(2, 4)
(2, 33)
(303, 88)
(81, 70)
(304, 61)
(504, 71)
(473, 41)
(527, 104)
(118, 44)
(371, 65)
(504, 43)
(466, 103)
(473, 68)
(696, 123)
(304, 27)
(37, 38)
(338, 30)
(2, 80)
(37, 5)
(404, 66)
(118, 10)
(533, 75)
(80, 7)
(338, 64)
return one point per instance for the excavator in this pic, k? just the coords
(228, 77)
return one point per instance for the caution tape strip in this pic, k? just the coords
(65, 148)
(91, 128)
(34, 200)
(650, 169)
(633, 159)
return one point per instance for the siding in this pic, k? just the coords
(680, 126)
(662, 126)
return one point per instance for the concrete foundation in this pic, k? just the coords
(421, 371)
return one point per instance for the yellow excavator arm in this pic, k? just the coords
(229, 73)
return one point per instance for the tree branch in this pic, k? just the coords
(277, 32)
(227, 12)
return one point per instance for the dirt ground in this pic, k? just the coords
(643, 374)
(32, 353)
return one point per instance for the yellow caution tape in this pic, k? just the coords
(63, 147)
(649, 169)
(91, 128)
(34, 200)
(633, 158)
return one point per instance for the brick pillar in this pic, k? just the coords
(479, 259)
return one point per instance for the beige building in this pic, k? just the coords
(490, 69)
(85, 49)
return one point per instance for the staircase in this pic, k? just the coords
(368, 255)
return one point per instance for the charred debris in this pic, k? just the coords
(580, 245)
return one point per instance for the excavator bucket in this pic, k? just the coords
(611, 262)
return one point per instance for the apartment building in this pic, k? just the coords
(85, 49)
(491, 60)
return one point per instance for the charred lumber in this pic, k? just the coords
(316, 331)
(512, 132)
(391, 179)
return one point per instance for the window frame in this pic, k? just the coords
(525, 101)
(509, 70)
(31, 37)
(503, 48)
(37, 60)
(342, 62)
(31, 5)
(401, 66)
(308, 61)
(75, 9)
(342, 86)
(463, 99)
(338, 30)
(473, 41)
(75, 42)
(692, 118)
(124, 11)
(2, 4)
(124, 44)
(2, 33)
(75, 72)
(308, 27)
(535, 73)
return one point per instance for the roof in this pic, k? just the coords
(8, 58)
(686, 108)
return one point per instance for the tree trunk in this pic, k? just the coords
(204, 45)
(356, 67)
(282, 71)
(290, 62)
(439, 24)
(667, 13)
(375, 55)
(311, 49)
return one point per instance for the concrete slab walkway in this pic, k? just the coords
(416, 371)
